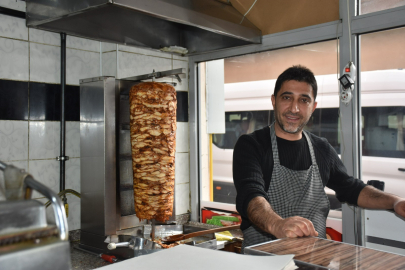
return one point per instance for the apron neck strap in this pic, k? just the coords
(311, 149)
(275, 148)
(274, 144)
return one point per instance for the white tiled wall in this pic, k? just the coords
(15, 54)
(34, 55)
(28, 54)
(13, 4)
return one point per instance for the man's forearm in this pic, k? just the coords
(373, 198)
(261, 214)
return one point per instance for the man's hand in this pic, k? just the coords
(262, 215)
(399, 207)
(293, 227)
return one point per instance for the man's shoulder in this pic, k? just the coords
(319, 142)
(260, 137)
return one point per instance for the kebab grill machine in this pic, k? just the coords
(109, 223)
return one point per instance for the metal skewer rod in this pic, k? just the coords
(153, 229)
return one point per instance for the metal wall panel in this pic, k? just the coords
(98, 156)
(215, 97)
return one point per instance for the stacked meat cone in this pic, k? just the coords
(153, 139)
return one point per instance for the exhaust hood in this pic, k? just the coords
(197, 25)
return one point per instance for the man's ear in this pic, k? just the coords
(273, 101)
(315, 104)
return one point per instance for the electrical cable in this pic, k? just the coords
(64, 192)
(338, 75)
(247, 12)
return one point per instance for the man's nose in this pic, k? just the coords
(294, 106)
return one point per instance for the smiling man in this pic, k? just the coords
(280, 171)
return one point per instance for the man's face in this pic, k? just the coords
(293, 107)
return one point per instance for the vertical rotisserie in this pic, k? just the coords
(153, 139)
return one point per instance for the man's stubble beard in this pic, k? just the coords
(284, 128)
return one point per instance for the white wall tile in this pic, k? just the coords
(72, 42)
(183, 85)
(45, 172)
(44, 37)
(182, 168)
(73, 174)
(44, 63)
(182, 193)
(73, 139)
(81, 65)
(13, 4)
(14, 59)
(19, 164)
(144, 51)
(82, 44)
(108, 47)
(130, 64)
(13, 27)
(44, 139)
(182, 137)
(109, 64)
(13, 140)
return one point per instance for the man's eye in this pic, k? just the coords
(305, 100)
(286, 97)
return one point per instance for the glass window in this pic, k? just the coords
(382, 84)
(383, 131)
(249, 84)
(239, 123)
(324, 122)
(368, 6)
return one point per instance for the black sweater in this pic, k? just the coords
(253, 166)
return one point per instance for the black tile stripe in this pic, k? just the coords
(12, 12)
(45, 102)
(182, 106)
(72, 103)
(13, 100)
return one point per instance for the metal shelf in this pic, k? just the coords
(158, 75)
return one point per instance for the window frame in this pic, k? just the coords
(377, 21)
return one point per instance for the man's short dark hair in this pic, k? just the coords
(297, 73)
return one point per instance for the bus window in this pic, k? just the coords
(238, 123)
(324, 122)
(383, 132)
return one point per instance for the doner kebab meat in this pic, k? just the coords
(153, 139)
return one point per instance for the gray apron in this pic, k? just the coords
(293, 193)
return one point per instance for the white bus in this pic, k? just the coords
(248, 108)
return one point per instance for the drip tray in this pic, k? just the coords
(141, 244)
